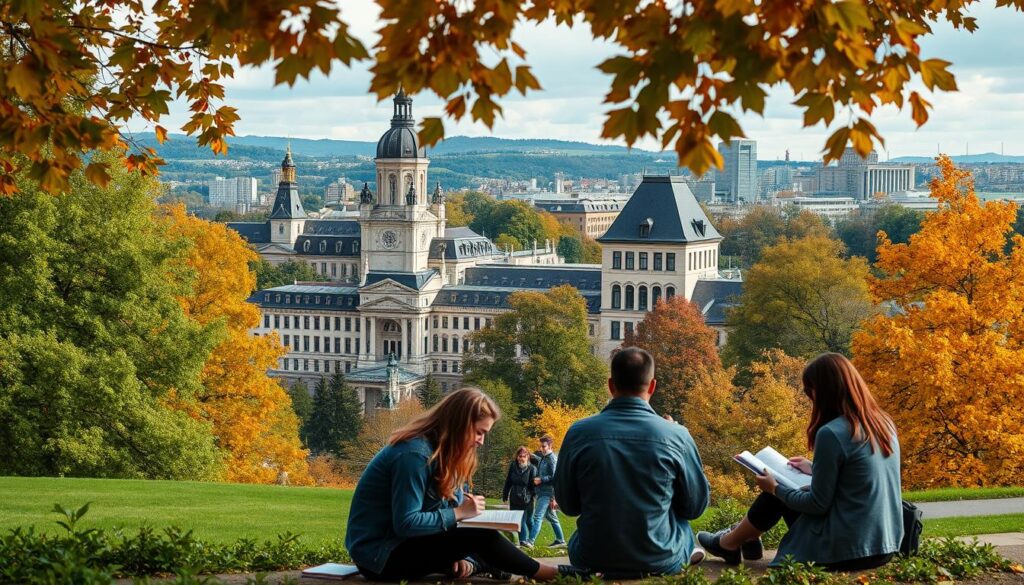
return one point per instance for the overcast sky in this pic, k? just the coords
(987, 114)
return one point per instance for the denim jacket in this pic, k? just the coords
(396, 499)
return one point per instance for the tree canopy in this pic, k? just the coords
(947, 358)
(73, 72)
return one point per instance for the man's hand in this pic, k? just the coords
(471, 507)
(554, 504)
(536, 481)
(801, 464)
(766, 482)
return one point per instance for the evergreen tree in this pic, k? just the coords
(302, 401)
(571, 248)
(336, 418)
(430, 392)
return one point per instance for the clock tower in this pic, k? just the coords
(399, 223)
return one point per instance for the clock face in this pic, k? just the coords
(389, 239)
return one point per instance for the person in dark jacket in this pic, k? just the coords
(520, 492)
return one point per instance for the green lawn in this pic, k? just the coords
(226, 512)
(953, 494)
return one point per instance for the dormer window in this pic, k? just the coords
(280, 228)
(337, 248)
(699, 226)
(323, 247)
(645, 227)
(305, 246)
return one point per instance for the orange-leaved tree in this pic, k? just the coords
(947, 360)
(682, 346)
(251, 414)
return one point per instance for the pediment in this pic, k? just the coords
(276, 249)
(385, 286)
(385, 304)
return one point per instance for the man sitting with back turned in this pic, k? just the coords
(633, 478)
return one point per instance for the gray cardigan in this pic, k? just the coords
(853, 508)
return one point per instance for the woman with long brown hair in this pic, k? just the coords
(403, 521)
(851, 517)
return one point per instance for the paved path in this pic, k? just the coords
(972, 508)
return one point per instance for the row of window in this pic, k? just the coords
(336, 300)
(302, 343)
(339, 247)
(309, 322)
(442, 366)
(441, 344)
(308, 365)
(617, 329)
(640, 295)
(669, 258)
(343, 270)
(700, 259)
(442, 322)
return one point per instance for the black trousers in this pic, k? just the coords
(767, 510)
(418, 557)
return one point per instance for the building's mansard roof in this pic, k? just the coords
(661, 210)
(496, 297)
(332, 227)
(582, 276)
(578, 206)
(460, 243)
(287, 204)
(413, 280)
(252, 232)
(308, 296)
(327, 245)
(715, 297)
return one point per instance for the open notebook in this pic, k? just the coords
(506, 520)
(778, 466)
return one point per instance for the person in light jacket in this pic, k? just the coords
(851, 517)
(520, 492)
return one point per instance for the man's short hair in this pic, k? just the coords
(547, 440)
(632, 370)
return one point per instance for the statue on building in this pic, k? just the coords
(438, 195)
(366, 196)
(390, 397)
(410, 197)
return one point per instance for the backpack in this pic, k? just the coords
(912, 527)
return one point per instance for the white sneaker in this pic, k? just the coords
(697, 556)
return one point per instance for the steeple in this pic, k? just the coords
(403, 111)
(287, 204)
(287, 166)
(438, 195)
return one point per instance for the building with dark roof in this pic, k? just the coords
(404, 290)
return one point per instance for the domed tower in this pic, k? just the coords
(287, 216)
(401, 161)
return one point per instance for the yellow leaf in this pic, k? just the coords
(934, 74)
(23, 80)
(161, 134)
(919, 108)
(431, 130)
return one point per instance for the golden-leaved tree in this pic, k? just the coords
(947, 360)
(251, 414)
(555, 418)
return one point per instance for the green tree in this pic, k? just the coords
(290, 272)
(571, 248)
(456, 214)
(499, 447)
(540, 347)
(802, 297)
(860, 232)
(336, 419)
(94, 338)
(302, 401)
(430, 393)
(764, 226)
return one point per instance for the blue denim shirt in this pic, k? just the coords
(546, 465)
(854, 507)
(635, 480)
(396, 499)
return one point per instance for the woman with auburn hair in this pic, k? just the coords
(851, 517)
(402, 524)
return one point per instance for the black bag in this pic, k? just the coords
(912, 527)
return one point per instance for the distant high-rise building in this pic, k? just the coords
(339, 192)
(237, 193)
(275, 178)
(559, 182)
(738, 177)
(864, 177)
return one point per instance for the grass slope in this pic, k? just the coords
(222, 512)
(956, 494)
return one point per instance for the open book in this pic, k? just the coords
(777, 465)
(507, 520)
(331, 572)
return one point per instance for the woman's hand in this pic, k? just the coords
(462, 569)
(766, 482)
(471, 507)
(801, 464)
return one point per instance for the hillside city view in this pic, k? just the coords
(429, 292)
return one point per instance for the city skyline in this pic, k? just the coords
(570, 105)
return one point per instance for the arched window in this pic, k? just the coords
(670, 292)
(642, 305)
(444, 344)
(629, 297)
(305, 246)
(436, 341)
(337, 248)
(616, 296)
(323, 246)
(455, 343)
(655, 295)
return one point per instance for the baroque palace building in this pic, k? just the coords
(404, 290)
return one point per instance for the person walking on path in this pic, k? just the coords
(634, 479)
(520, 492)
(403, 521)
(851, 517)
(546, 506)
